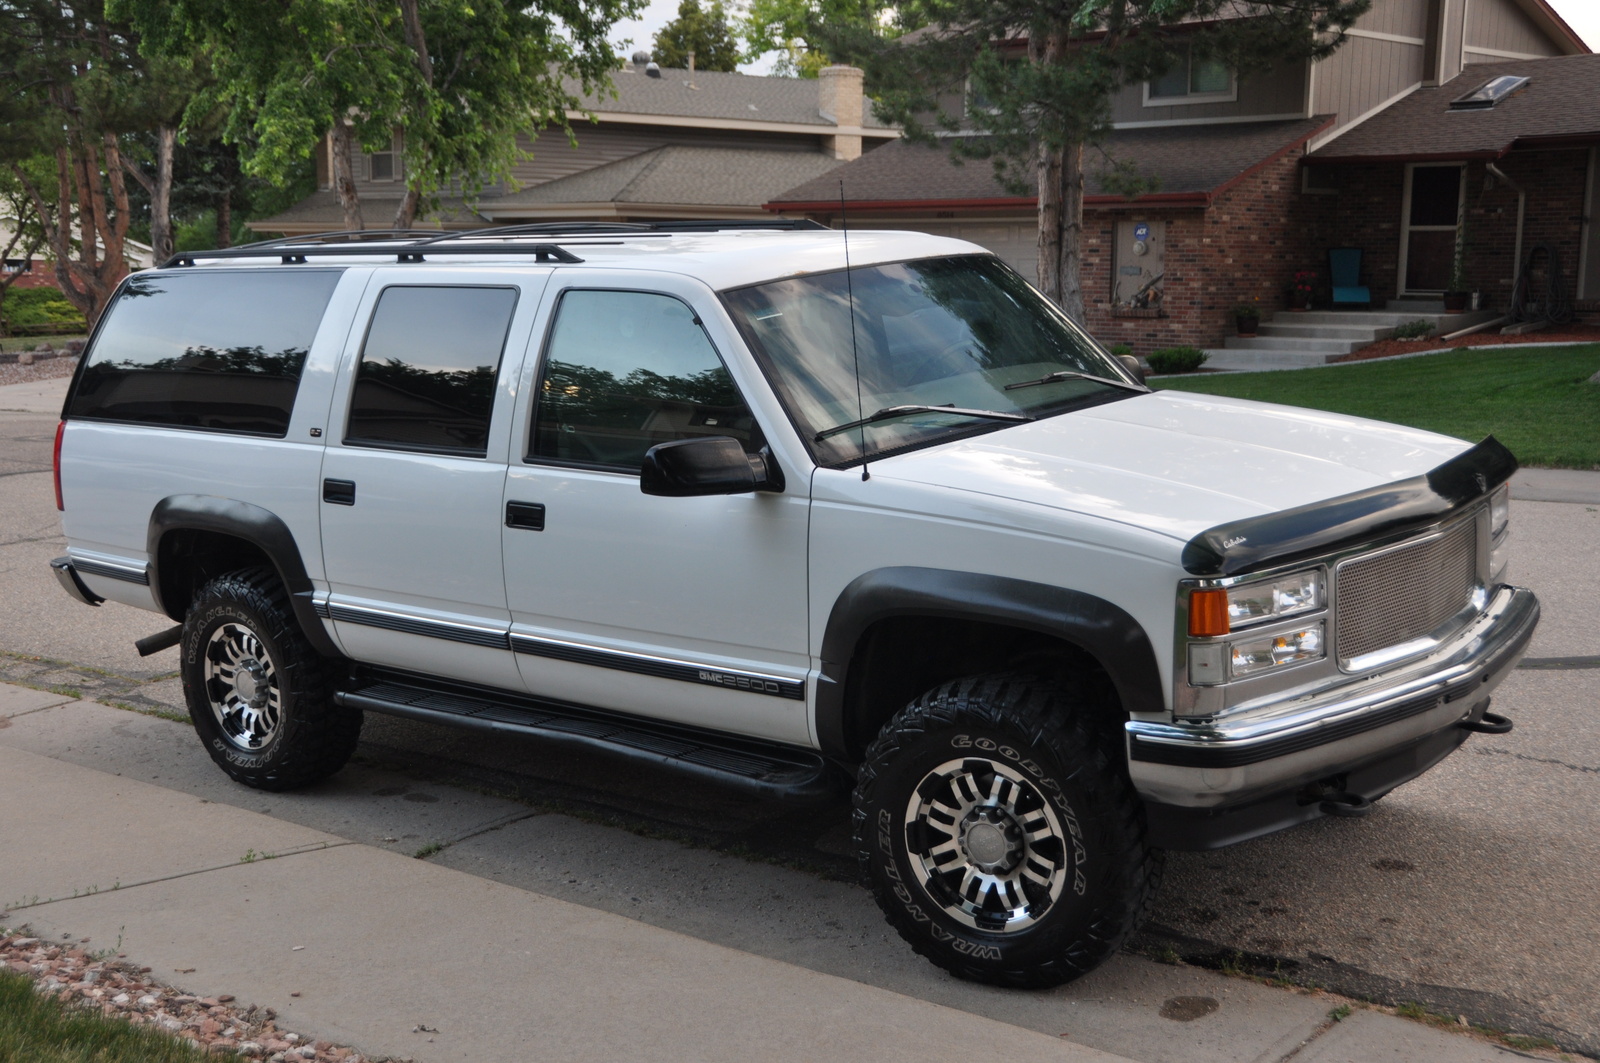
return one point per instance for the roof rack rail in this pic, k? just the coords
(613, 228)
(296, 254)
(349, 236)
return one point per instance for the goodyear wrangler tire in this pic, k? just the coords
(1000, 833)
(260, 697)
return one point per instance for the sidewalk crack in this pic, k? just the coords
(250, 857)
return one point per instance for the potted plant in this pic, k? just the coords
(1300, 292)
(1246, 316)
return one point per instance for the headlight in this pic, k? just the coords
(1253, 656)
(1250, 603)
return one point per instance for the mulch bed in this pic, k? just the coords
(114, 986)
(1488, 338)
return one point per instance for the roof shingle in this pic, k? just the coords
(1562, 100)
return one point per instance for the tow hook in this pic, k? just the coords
(1346, 805)
(1490, 723)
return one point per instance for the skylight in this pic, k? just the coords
(1489, 93)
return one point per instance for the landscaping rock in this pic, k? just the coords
(25, 358)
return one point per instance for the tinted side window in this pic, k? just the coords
(627, 370)
(205, 349)
(428, 367)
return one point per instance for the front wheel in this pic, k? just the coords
(260, 695)
(1000, 834)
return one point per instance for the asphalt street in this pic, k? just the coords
(1471, 889)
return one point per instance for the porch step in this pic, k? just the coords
(1364, 333)
(1304, 345)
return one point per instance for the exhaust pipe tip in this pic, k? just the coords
(1346, 805)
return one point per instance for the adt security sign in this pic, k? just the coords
(1141, 231)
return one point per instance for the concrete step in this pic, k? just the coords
(1289, 343)
(1366, 334)
(1236, 360)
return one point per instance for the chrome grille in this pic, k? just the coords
(1403, 594)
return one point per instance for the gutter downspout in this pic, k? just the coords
(1522, 207)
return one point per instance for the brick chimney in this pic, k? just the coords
(839, 100)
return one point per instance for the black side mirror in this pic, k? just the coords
(709, 465)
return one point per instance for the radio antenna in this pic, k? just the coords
(855, 351)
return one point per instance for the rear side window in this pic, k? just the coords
(219, 350)
(428, 369)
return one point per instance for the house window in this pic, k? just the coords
(19, 265)
(1195, 80)
(385, 165)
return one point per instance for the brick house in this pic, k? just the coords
(1260, 177)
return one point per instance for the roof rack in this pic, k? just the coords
(410, 245)
(413, 251)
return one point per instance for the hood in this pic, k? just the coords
(1178, 463)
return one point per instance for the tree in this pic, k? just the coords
(76, 86)
(788, 26)
(459, 80)
(1046, 73)
(705, 32)
(26, 234)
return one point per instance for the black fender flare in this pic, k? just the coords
(1100, 628)
(261, 528)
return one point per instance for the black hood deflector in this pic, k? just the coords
(1277, 538)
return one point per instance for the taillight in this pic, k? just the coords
(61, 430)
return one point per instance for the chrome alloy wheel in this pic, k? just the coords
(242, 687)
(990, 848)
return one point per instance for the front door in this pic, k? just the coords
(690, 610)
(1432, 216)
(413, 478)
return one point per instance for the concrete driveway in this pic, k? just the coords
(1471, 890)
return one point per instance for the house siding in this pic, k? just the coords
(1278, 92)
(1364, 74)
(1502, 26)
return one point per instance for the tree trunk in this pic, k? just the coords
(161, 195)
(1061, 227)
(406, 214)
(411, 21)
(225, 219)
(344, 179)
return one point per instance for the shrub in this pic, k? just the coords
(38, 306)
(1247, 310)
(1176, 360)
(1121, 349)
(1414, 330)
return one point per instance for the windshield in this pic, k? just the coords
(961, 332)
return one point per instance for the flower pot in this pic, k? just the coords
(1456, 302)
(1246, 325)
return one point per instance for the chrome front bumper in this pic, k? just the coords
(1210, 766)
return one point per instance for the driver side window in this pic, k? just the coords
(624, 371)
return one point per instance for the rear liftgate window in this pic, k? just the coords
(216, 350)
(428, 369)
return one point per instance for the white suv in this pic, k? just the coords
(703, 496)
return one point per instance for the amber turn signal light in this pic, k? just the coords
(1208, 613)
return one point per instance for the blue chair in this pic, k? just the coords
(1344, 269)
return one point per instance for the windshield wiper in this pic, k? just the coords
(1073, 374)
(889, 412)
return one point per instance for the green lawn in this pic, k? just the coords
(1537, 401)
(36, 1029)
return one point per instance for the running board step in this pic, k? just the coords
(765, 769)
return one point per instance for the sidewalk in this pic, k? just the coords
(376, 944)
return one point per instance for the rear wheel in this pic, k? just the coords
(1000, 833)
(260, 696)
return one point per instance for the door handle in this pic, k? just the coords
(529, 515)
(339, 492)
